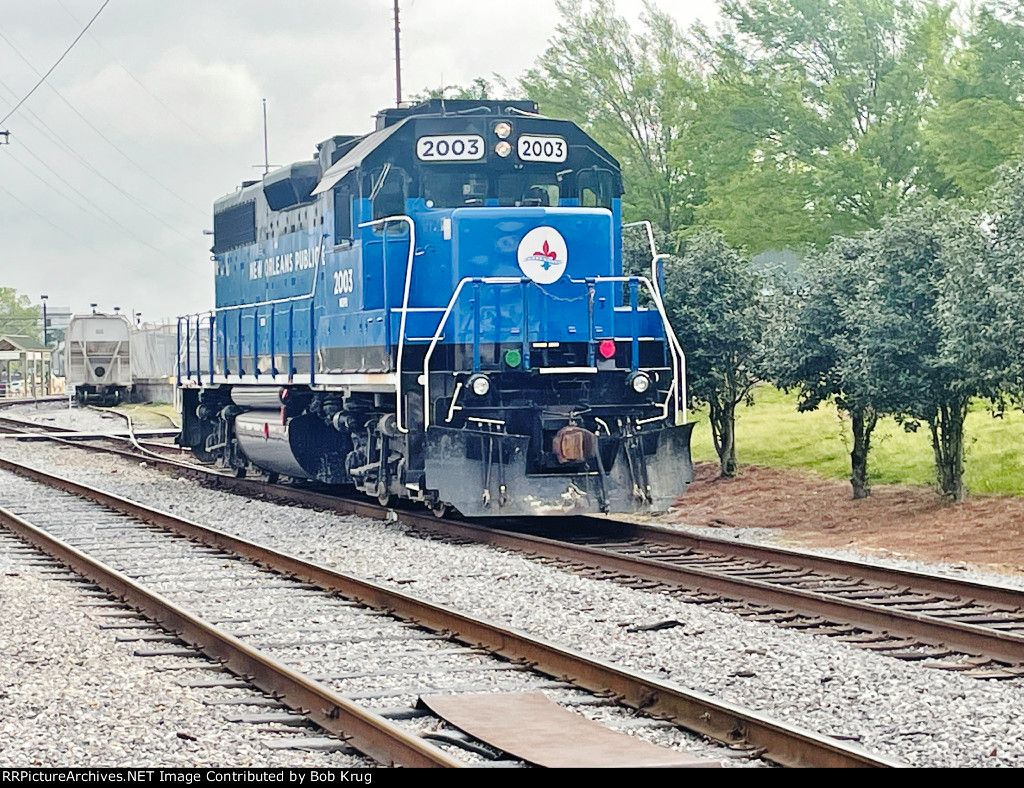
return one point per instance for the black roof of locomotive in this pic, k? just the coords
(390, 115)
(339, 155)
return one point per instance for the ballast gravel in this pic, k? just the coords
(925, 717)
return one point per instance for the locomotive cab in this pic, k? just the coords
(437, 310)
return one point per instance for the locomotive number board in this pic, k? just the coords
(533, 148)
(450, 147)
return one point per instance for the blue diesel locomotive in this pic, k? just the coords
(437, 311)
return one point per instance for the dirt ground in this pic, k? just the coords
(896, 520)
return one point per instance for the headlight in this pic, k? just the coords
(639, 382)
(479, 384)
(502, 130)
(503, 149)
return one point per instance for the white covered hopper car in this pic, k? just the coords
(97, 358)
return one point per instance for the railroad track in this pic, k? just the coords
(444, 674)
(141, 439)
(943, 623)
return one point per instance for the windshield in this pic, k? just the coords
(461, 187)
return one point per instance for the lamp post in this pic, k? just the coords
(46, 344)
(45, 335)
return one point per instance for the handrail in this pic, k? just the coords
(678, 357)
(289, 299)
(256, 305)
(654, 249)
(400, 421)
(677, 388)
(487, 280)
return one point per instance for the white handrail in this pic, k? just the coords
(678, 357)
(487, 280)
(677, 389)
(312, 293)
(654, 250)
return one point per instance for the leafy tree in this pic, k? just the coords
(18, 316)
(911, 332)
(843, 86)
(633, 92)
(982, 302)
(820, 352)
(716, 303)
(480, 88)
(977, 122)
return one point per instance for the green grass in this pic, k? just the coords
(772, 433)
(160, 415)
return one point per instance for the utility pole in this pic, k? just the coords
(398, 62)
(47, 368)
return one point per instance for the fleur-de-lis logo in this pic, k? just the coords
(547, 252)
(545, 265)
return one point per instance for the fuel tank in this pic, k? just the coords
(302, 447)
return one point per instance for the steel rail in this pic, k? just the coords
(972, 638)
(780, 743)
(10, 402)
(367, 732)
(959, 587)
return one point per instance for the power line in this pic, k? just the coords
(63, 230)
(140, 204)
(111, 220)
(43, 78)
(85, 120)
(180, 118)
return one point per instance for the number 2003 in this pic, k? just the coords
(541, 148)
(450, 147)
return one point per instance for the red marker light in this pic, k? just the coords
(606, 348)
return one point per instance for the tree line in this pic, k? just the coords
(877, 140)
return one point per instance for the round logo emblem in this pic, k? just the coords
(543, 255)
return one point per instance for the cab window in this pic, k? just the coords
(519, 189)
(453, 189)
(595, 188)
(343, 211)
(386, 187)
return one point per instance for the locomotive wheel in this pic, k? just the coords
(384, 498)
(273, 477)
(440, 509)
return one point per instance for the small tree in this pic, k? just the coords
(982, 298)
(717, 304)
(18, 316)
(914, 262)
(820, 353)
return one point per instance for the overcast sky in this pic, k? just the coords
(114, 163)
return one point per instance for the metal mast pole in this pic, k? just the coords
(266, 154)
(398, 62)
